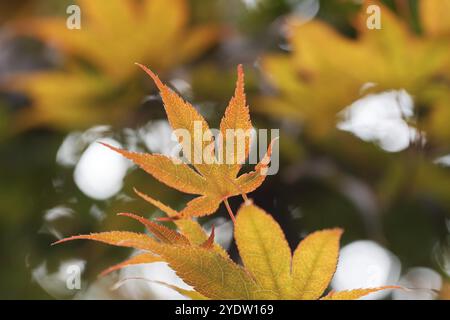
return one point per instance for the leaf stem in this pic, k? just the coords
(230, 212)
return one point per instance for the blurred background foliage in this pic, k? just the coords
(311, 67)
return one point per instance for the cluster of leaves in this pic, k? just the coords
(270, 270)
(314, 83)
(97, 76)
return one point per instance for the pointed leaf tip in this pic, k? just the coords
(79, 237)
(209, 243)
(118, 238)
(137, 259)
(105, 144)
(161, 232)
(240, 82)
(153, 75)
(118, 150)
(240, 71)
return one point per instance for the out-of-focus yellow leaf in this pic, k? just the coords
(155, 32)
(315, 82)
(435, 17)
(70, 99)
(111, 38)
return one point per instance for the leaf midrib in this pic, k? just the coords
(311, 271)
(265, 251)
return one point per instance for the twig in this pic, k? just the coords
(230, 212)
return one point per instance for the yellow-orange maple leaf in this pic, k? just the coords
(215, 181)
(267, 259)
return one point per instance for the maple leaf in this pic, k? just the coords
(213, 180)
(81, 103)
(315, 83)
(152, 31)
(434, 16)
(269, 270)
